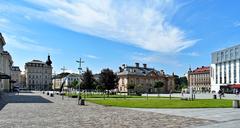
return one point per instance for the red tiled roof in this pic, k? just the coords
(201, 69)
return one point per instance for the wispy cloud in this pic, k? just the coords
(194, 54)
(92, 56)
(164, 59)
(25, 43)
(143, 24)
(236, 24)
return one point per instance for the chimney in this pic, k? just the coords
(137, 65)
(145, 65)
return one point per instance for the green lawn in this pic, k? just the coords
(162, 103)
(112, 96)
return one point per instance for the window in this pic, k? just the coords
(231, 54)
(220, 73)
(225, 73)
(229, 72)
(216, 73)
(236, 52)
(235, 72)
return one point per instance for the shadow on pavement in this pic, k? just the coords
(15, 98)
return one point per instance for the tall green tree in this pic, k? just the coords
(74, 84)
(108, 79)
(130, 88)
(158, 85)
(88, 80)
(181, 82)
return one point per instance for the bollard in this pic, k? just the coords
(235, 104)
(51, 95)
(82, 102)
(214, 96)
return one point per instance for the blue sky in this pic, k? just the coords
(165, 34)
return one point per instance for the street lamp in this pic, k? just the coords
(80, 70)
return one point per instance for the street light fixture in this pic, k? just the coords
(80, 70)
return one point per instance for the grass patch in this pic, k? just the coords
(90, 95)
(163, 103)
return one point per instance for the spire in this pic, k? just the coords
(49, 62)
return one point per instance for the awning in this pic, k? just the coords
(235, 86)
(4, 76)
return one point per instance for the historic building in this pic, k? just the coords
(15, 76)
(144, 76)
(5, 67)
(199, 79)
(39, 74)
(225, 69)
(64, 79)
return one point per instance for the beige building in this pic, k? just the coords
(5, 67)
(39, 74)
(15, 76)
(199, 79)
(23, 81)
(64, 79)
(136, 75)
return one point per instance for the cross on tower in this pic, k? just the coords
(63, 69)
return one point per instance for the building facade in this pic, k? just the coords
(64, 79)
(199, 79)
(15, 76)
(39, 74)
(225, 69)
(5, 67)
(144, 76)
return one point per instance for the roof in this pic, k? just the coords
(139, 71)
(61, 75)
(15, 68)
(202, 69)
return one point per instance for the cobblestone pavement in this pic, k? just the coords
(36, 110)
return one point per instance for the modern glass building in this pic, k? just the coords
(225, 69)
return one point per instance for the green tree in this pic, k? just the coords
(108, 79)
(140, 89)
(74, 84)
(130, 87)
(88, 80)
(181, 82)
(158, 85)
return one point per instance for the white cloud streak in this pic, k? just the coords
(164, 59)
(92, 56)
(140, 23)
(27, 44)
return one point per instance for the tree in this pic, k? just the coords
(181, 82)
(158, 85)
(74, 84)
(140, 88)
(130, 87)
(108, 79)
(88, 80)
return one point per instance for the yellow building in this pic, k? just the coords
(5, 67)
(136, 75)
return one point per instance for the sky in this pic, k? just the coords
(169, 35)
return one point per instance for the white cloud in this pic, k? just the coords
(194, 54)
(27, 44)
(92, 56)
(140, 23)
(164, 59)
(237, 24)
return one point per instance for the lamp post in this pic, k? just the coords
(80, 70)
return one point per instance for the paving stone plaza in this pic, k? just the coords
(39, 110)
